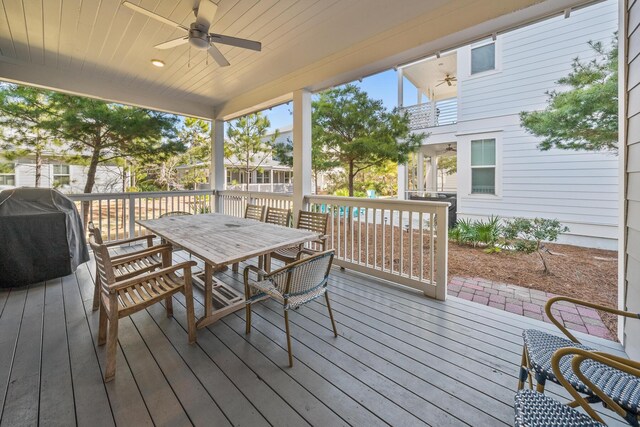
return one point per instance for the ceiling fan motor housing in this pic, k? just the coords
(197, 38)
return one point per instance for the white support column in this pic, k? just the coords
(420, 171)
(433, 172)
(271, 179)
(402, 181)
(216, 172)
(301, 149)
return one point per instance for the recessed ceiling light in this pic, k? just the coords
(158, 63)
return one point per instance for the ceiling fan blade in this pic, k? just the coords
(441, 83)
(206, 12)
(153, 15)
(172, 43)
(235, 41)
(218, 56)
(449, 82)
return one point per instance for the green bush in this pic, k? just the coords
(478, 232)
(527, 235)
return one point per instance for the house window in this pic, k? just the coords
(287, 177)
(483, 58)
(483, 166)
(61, 175)
(7, 174)
(263, 177)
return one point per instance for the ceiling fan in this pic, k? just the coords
(198, 35)
(450, 149)
(448, 79)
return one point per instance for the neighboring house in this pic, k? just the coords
(468, 104)
(67, 178)
(268, 175)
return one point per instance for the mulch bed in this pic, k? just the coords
(584, 273)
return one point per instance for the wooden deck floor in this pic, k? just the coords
(400, 359)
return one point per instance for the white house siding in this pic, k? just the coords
(578, 188)
(631, 247)
(108, 178)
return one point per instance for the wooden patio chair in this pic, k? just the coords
(604, 374)
(311, 221)
(254, 212)
(132, 263)
(292, 286)
(278, 216)
(251, 212)
(121, 298)
(539, 348)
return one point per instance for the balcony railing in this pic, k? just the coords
(397, 240)
(422, 116)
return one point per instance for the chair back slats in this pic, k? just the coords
(104, 268)
(278, 216)
(254, 212)
(316, 222)
(313, 221)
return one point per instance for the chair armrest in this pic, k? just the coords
(148, 237)
(158, 249)
(305, 251)
(559, 325)
(579, 356)
(186, 266)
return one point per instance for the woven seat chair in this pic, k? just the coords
(121, 298)
(292, 286)
(533, 408)
(539, 348)
(251, 212)
(311, 221)
(129, 264)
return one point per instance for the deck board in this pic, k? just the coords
(400, 359)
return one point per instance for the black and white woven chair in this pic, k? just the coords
(539, 348)
(292, 286)
(535, 409)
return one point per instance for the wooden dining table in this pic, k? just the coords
(219, 240)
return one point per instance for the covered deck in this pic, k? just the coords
(400, 359)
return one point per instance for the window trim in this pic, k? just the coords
(494, 166)
(55, 176)
(14, 174)
(466, 57)
(465, 168)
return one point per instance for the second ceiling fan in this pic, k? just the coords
(198, 35)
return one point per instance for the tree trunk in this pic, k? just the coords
(91, 180)
(38, 167)
(350, 183)
(315, 181)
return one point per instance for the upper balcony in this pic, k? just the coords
(424, 116)
(435, 85)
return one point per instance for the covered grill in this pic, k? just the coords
(41, 236)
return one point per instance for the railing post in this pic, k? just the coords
(442, 251)
(132, 215)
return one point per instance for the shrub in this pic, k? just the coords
(527, 235)
(479, 232)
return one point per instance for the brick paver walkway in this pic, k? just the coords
(527, 302)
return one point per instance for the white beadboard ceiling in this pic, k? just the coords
(100, 48)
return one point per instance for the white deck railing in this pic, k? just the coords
(115, 213)
(398, 240)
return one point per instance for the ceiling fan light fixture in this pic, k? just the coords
(157, 63)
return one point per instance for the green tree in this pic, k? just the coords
(247, 147)
(99, 132)
(26, 112)
(358, 132)
(320, 159)
(196, 136)
(584, 117)
(447, 165)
